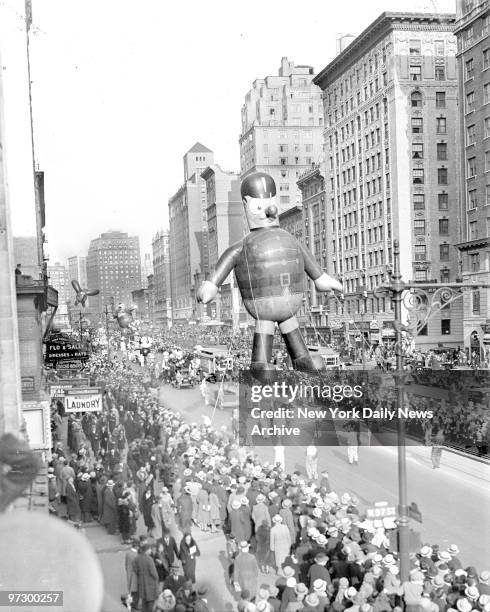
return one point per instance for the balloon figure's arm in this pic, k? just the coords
(323, 282)
(209, 289)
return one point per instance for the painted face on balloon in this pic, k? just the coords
(261, 212)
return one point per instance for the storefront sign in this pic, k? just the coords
(83, 400)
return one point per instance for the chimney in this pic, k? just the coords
(343, 41)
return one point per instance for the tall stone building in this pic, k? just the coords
(472, 32)
(161, 280)
(113, 267)
(189, 258)
(391, 139)
(58, 277)
(77, 270)
(282, 128)
(226, 225)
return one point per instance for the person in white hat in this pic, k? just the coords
(311, 461)
(280, 541)
(245, 570)
(260, 513)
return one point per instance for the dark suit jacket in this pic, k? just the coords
(170, 552)
(146, 572)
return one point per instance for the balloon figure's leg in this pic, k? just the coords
(297, 349)
(262, 345)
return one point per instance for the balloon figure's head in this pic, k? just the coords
(258, 193)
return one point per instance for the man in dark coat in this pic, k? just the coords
(319, 570)
(170, 550)
(147, 576)
(175, 581)
(184, 510)
(72, 501)
(109, 513)
(131, 577)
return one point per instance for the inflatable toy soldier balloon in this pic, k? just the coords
(269, 265)
(82, 294)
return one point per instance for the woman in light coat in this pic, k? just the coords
(280, 542)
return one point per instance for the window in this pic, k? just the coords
(417, 176)
(283, 161)
(417, 150)
(283, 148)
(439, 47)
(475, 302)
(487, 161)
(485, 24)
(440, 73)
(444, 252)
(472, 230)
(472, 199)
(440, 99)
(284, 199)
(441, 125)
(469, 69)
(444, 276)
(417, 125)
(441, 151)
(474, 261)
(443, 227)
(421, 275)
(445, 327)
(442, 176)
(414, 46)
(415, 73)
(487, 195)
(486, 93)
(486, 58)
(419, 201)
(416, 99)
(419, 227)
(470, 135)
(420, 252)
(471, 167)
(486, 127)
(470, 101)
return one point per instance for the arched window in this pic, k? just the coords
(416, 99)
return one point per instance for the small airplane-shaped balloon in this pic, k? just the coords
(82, 294)
(124, 315)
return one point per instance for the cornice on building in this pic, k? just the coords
(376, 31)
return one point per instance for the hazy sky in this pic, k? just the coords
(123, 88)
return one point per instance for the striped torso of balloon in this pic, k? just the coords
(270, 266)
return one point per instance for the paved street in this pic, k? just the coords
(454, 501)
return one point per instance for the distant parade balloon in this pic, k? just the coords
(82, 294)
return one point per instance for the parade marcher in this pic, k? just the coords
(188, 553)
(147, 576)
(245, 570)
(280, 541)
(312, 462)
(175, 580)
(184, 511)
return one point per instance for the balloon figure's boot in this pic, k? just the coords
(261, 366)
(300, 355)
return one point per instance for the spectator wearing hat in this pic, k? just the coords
(166, 602)
(245, 570)
(175, 580)
(311, 603)
(318, 570)
(85, 495)
(186, 595)
(288, 594)
(454, 564)
(412, 591)
(483, 583)
(201, 603)
(53, 493)
(185, 510)
(147, 578)
(263, 541)
(287, 518)
(320, 590)
(131, 576)
(280, 541)
(189, 551)
(238, 521)
(260, 512)
(109, 512)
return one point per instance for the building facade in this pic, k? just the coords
(282, 124)
(26, 254)
(472, 33)
(391, 138)
(162, 314)
(226, 225)
(189, 257)
(113, 267)
(58, 278)
(77, 270)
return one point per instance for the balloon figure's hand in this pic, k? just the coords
(327, 283)
(206, 292)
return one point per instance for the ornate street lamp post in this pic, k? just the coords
(424, 300)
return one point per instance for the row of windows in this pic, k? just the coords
(469, 67)
(283, 148)
(419, 201)
(418, 176)
(419, 227)
(417, 124)
(418, 151)
(416, 99)
(416, 73)
(470, 100)
(420, 252)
